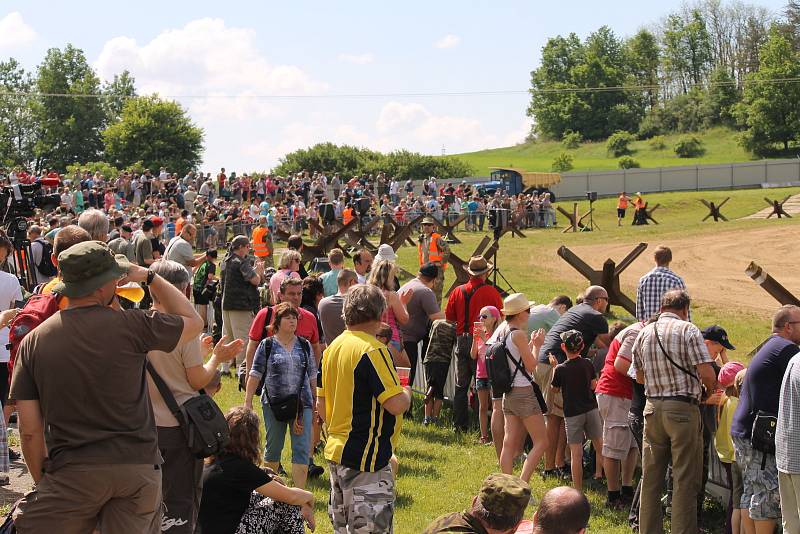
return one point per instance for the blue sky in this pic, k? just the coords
(225, 53)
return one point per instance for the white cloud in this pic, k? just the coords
(398, 116)
(207, 58)
(357, 59)
(15, 32)
(448, 41)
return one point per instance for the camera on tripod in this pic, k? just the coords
(19, 201)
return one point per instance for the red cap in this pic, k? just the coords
(157, 221)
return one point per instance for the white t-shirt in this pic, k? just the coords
(513, 350)
(10, 291)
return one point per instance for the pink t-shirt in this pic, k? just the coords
(277, 279)
(480, 368)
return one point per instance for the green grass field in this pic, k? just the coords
(720, 145)
(441, 472)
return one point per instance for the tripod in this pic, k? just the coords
(21, 261)
(592, 225)
(498, 272)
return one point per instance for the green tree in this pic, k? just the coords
(69, 116)
(687, 53)
(769, 109)
(721, 98)
(642, 56)
(116, 93)
(17, 122)
(619, 144)
(157, 132)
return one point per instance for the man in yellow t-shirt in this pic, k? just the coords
(362, 403)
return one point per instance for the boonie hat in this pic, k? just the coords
(88, 266)
(239, 241)
(429, 270)
(428, 220)
(478, 266)
(516, 303)
(385, 252)
(504, 495)
(718, 334)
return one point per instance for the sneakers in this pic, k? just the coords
(426, 421)
(314, 470)
(13, 455)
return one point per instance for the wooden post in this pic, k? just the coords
(770, 285)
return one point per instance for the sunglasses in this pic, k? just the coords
(482, 316)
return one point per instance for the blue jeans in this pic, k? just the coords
(276, 436)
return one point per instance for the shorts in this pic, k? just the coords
(436, 372)
(481, 383)
(276, 437)
(361, 501)
(587, 424)
(737, 488)
(621, 213)
(617, 436)
(543, 375)
(199, 299)
(521, 401)
(760, 494)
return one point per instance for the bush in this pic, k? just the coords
(689, 147)
(571, 140)
(627, 162)
(658, 143)
(563, 162)
(619, 143)
(107, 170)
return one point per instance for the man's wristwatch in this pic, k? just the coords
(150, 277)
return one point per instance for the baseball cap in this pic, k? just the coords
(504, 495)
(718, 334)
(88, 266)
(573, 340)
(429, 270)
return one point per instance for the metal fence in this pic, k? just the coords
(777, 172)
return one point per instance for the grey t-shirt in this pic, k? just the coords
(330, 315)
(179, 250)
(144, 249)
(421, 306)
(542, 316)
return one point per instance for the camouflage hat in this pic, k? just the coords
(88, 266)
(504, 495)
(573, 340)
(428, 220)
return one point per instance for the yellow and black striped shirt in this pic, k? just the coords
(358, 375)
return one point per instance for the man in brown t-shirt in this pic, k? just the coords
(82, 371)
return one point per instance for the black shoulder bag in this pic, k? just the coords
(286, 408)
(762, 433)
(201, 420)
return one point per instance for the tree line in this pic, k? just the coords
(711, 63)
(61, 115)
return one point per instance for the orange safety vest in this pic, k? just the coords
(260, 248)
(347, 215)
(434, 254)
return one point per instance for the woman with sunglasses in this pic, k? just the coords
(522, 408)
(288, 267)
(488, 319)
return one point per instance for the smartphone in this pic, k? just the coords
(20, 303)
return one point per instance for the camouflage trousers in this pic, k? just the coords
(361, 502)
(438, 286)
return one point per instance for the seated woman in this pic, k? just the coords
(239, 497)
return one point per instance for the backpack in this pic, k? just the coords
(241, 372)
(35, 312)
(46, 265)
(497, 367)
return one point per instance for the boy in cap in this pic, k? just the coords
(577, 377)
(498, 508)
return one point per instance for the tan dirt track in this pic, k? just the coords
(711, 265)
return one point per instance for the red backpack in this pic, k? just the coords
(36, 310)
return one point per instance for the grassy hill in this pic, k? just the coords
(720, 145)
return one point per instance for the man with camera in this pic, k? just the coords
(433, 249)
(672, 361)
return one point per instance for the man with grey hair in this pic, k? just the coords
(361, 400)
(183, 372)
(671, 360)
(95, 222)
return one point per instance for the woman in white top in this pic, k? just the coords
(521, 408)
(10, 292)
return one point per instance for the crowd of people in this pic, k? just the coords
(332, 358)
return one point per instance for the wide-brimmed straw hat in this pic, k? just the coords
(478, 266)
(516, 303)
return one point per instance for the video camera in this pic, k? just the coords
(21, 200)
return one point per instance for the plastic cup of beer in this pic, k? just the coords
(404, 374)
(131, 291)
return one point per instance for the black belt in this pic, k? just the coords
(679, 398)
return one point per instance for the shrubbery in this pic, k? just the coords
(563, 162)
(571, 140)
(627, 162)
(619, 143)
(689, 147)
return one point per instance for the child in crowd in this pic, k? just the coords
(489, 317)
(577, 378)
(730, 377)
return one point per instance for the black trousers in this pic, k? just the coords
(182, 481)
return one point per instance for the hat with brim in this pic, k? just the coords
(88, 266)
(385, 252)
(428, 220)
(478, 266)
(516, 303)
